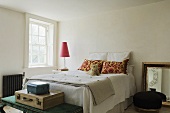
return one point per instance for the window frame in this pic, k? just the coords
(46, 45)
(44, 20)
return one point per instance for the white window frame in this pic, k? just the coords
(46, 45)
(45, 20)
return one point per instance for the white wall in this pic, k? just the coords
(11, 42)
(144, 30)
(12, 38)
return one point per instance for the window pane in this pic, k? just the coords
(42, 40)
(42, 31)
(34, 30)
(40, 43)
(35, 49)
(34, 59)
(42, 50)
(50, 55)
(42, 59)
(34, 39)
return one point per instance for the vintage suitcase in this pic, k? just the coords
(38, 88)
(39, 101)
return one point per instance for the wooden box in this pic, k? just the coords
(39, 101)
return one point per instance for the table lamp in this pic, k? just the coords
(64, 53)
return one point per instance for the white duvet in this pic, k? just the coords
(124, 86)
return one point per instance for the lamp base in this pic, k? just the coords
(64, 69)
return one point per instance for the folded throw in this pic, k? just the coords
(101, 90)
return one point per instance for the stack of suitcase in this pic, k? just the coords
(38, 95)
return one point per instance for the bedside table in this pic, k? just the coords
(64, 69)
(59, 70)
(56, 71)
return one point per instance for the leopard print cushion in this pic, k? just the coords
(87, 63)
(114, 67)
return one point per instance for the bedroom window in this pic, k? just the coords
(40, 43)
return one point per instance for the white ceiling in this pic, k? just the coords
(70, 9)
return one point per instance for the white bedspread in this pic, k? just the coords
(124, 86)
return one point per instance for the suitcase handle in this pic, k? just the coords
(26, 99)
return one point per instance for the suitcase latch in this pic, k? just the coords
(26, 99)
(18, 96)
(38, 102)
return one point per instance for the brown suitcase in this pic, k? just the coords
(40, 101)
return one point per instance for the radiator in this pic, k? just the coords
(12, 83)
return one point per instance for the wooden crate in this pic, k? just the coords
(39, 101)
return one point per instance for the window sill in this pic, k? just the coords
(30, 67)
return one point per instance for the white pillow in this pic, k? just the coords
(118, 56)
(98, 56)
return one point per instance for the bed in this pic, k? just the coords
(74, 85)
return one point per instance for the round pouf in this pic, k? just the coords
(147, 100)
(163, 96)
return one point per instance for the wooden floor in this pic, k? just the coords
(130, 109)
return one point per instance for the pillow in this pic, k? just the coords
(114, 67)
(118, 57)
(93, 70)
(86, 65)
(97, 56)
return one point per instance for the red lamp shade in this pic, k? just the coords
(64, 50)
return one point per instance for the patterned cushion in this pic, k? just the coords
(114, 67)
(86, 65)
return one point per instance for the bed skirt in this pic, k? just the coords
(120, 108)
